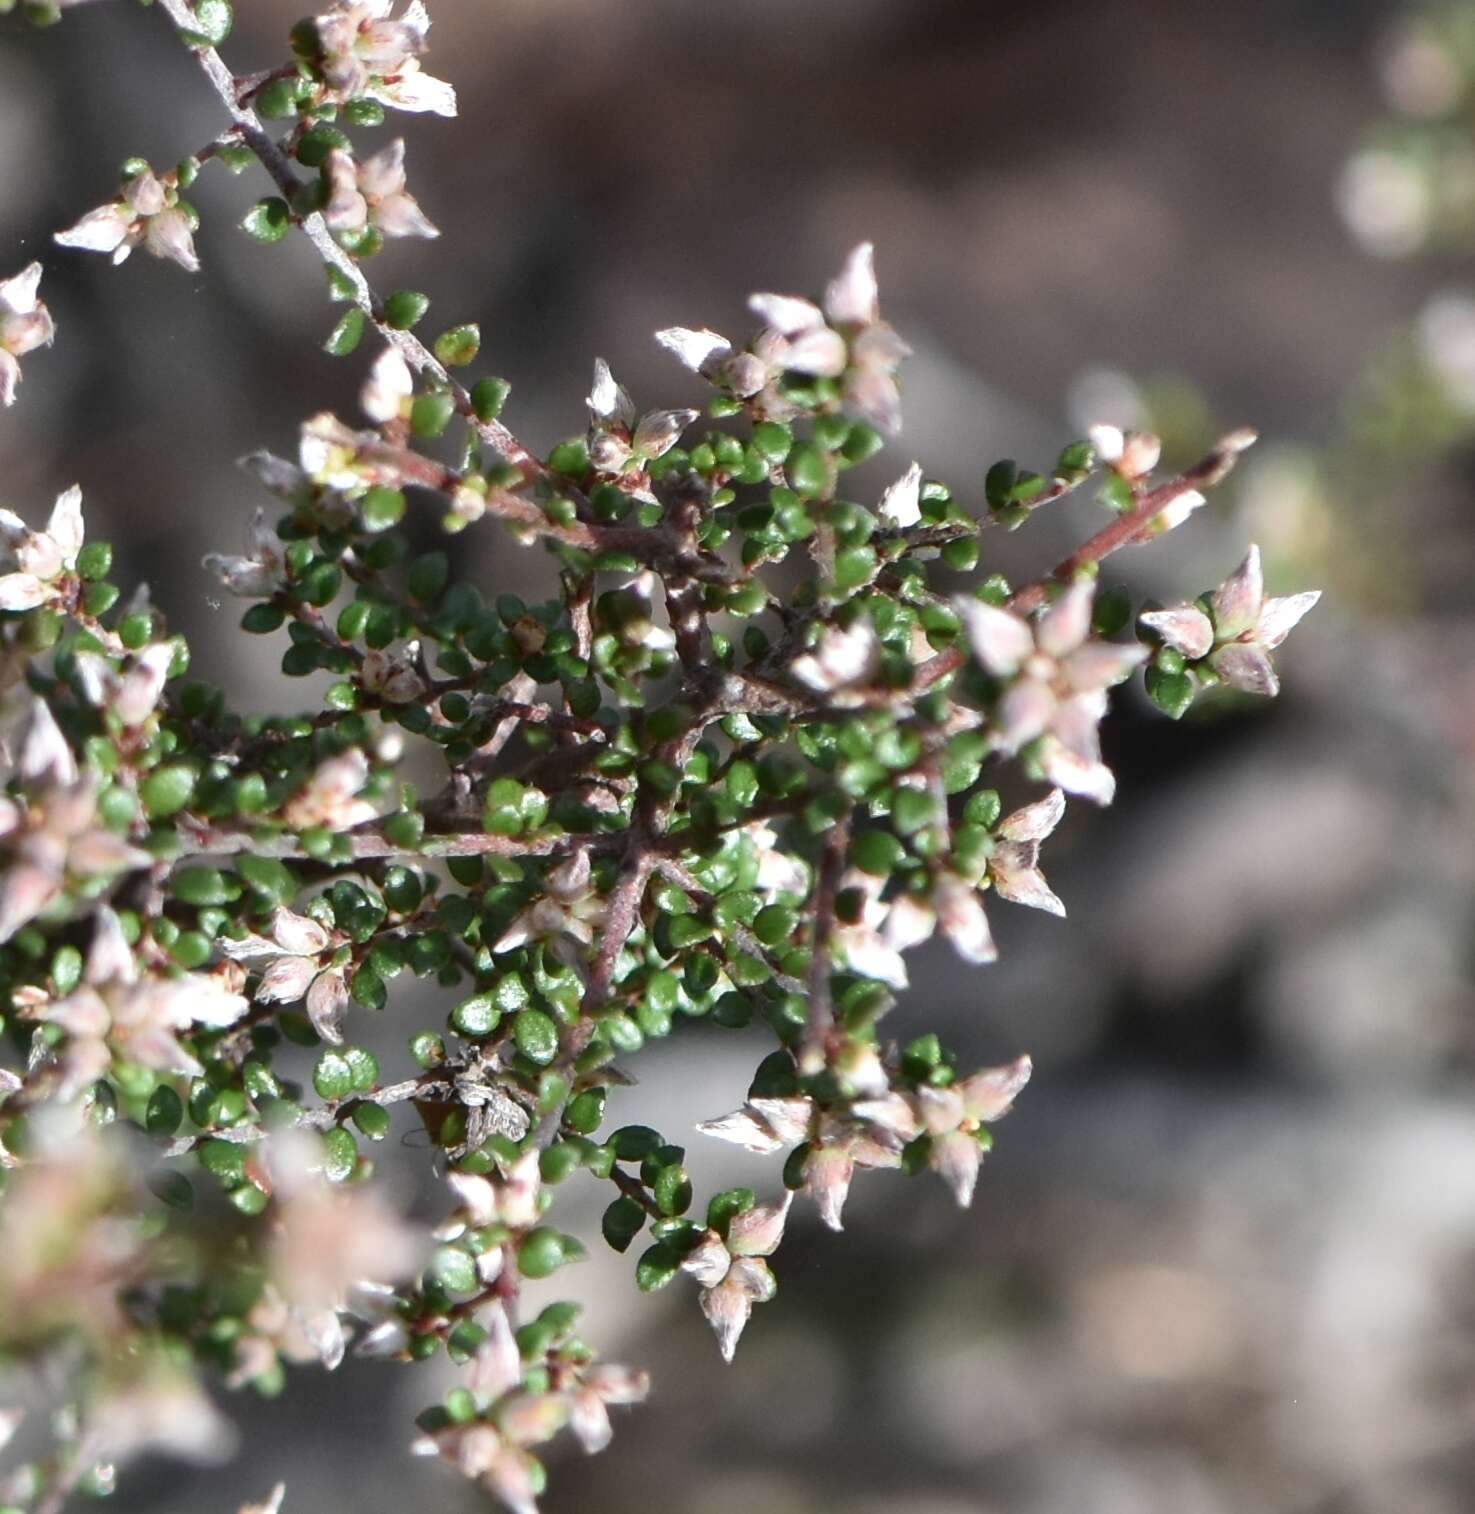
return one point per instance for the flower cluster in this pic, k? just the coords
(683, 787)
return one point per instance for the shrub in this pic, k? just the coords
(735, 770)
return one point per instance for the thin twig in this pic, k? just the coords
(821, 1020)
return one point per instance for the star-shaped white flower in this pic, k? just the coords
(25, 324)
(953, 1119)
(362, 52)
(618, 435)
(40, 559)
(1240, 630)
(842, 662)
(372, 194)
(117, 1011)
(570, 910)
(51, 838)
(1056, 679)
(733, 1272)
(845, 337)
(955, 907)
(297, 962)
(262, 570)
(901, 504)
(148, 214)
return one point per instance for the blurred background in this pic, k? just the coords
(1223, 1258)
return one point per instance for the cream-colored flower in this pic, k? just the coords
(329, 1240)
(116, 1011)
(25, 324)
(733, 1272)
(49, 839)
(1012, 868)
(298, 961)
(953, 1120)
(1056, 679)
(362, 52)
(570, 910)
(618, 435)
(261, 571)
(844, 339)
(147, 214)
(329, 798)
(40, 560)
(388, 389)
(842, 662)
(372, 194)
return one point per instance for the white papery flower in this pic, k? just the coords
(115, 1011)
(901, 504)
(372, 193)
(618, 434)
(570, 910)
(25, 324)
(262, 570)
(272, 1503)
(951, 1118)
(48, 839)
(298, 962)
(603, 1384)
(954, 905)
(141, 687)
(146, 215)
(862, 944)
(329, 798)
(843, 662)
(1238, 631)
(330, 1240)
(393, 675)
(846, 337)
(388, 389)
(733, 1273)
(1248, 626)
(40, 559)
(1057, 678)
(702, 351)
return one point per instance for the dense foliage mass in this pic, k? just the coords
(733, 770)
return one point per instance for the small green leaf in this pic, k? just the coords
(167, 790)
(541, 1253)
(346, 335)
(430, 414)
(382, 508)
(333, 1076)
(536, 1036)
(877, 853)
(213, 20)
(340, 1155)
(458, 346)
(1172, 693)
(405, 308)
(165, 1111)
(657, 1267)
(454, 1270)
(477, 1016)
(267, 221)
(488, 395)
(633, 1143)
(622, 1222)
(998, 483)
(173, 1188)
